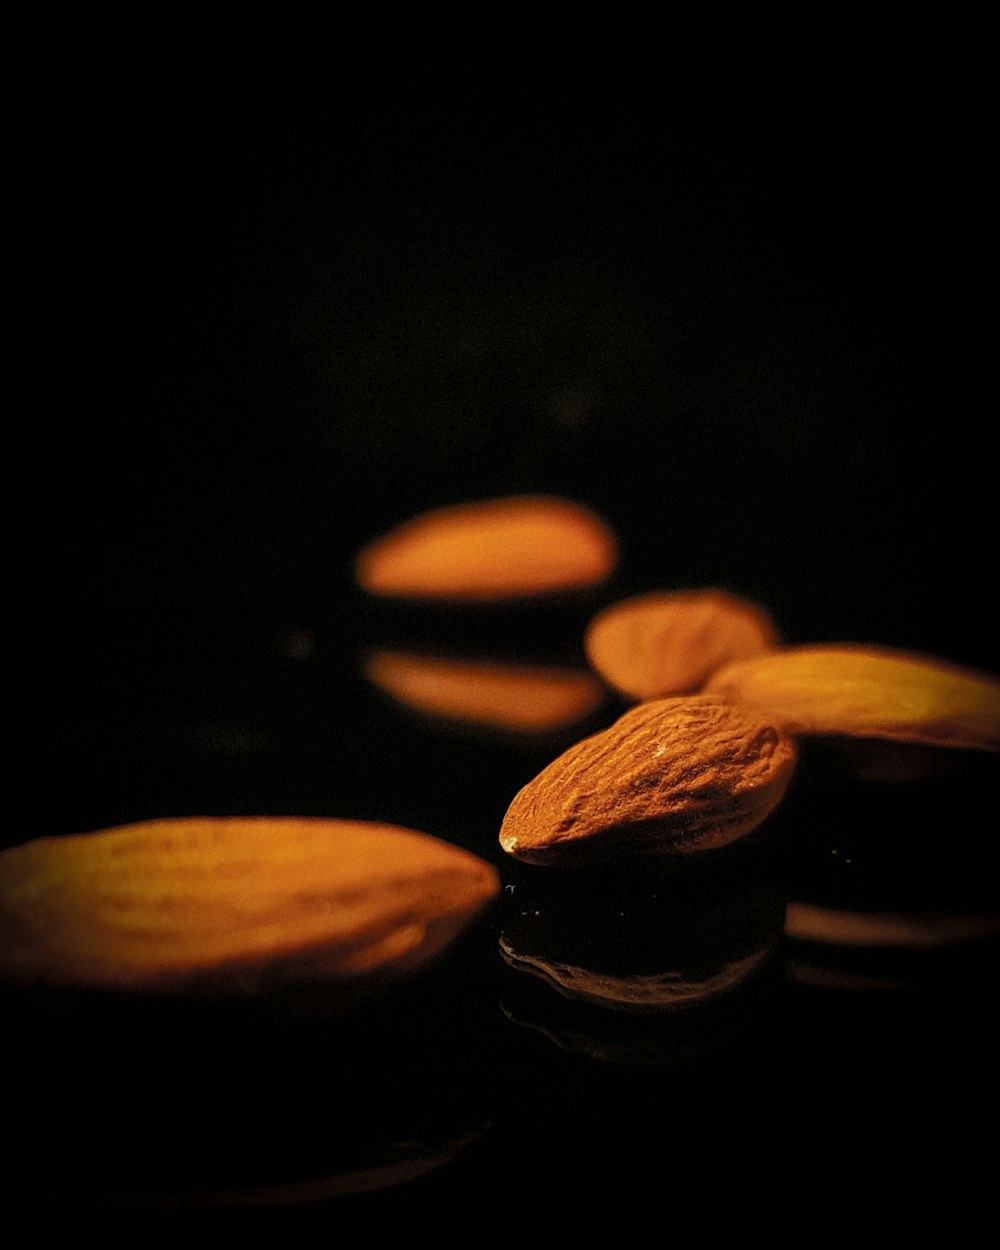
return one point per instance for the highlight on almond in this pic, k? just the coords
(490, 551)
(670, 642)
(234, 907)
(511, 698)
(671, 777)
(867, 692)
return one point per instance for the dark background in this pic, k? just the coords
(740, 313)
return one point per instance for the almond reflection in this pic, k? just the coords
(394, 1165)
(512, 698)
(666, 980)
(889, 930)
(836, 948)
(648, 955)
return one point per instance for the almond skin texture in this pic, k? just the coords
(867, 692)
(233, 907)
(670, 642)
(519, 547)
(671, 777)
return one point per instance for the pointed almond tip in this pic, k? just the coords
(508, 843)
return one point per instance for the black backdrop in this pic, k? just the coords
(741, 314)
(738, 313)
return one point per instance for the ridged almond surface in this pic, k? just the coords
(867, 692)
(670, 642)
(233, 906)
(670, 777)
(517, 698)
(491, 550)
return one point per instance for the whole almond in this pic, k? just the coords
(670, 642)
(233, 906)
(489, 551)
(867, 692)
(671, 777)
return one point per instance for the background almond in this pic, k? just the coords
(867, 692)
(491, 550)
(669, 642)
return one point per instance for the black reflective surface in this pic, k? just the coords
(739, 322)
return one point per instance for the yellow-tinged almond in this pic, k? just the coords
(671, 777)
(234, 906)
(521, 699)
(489, 551)
(670, 642)
(862, 691)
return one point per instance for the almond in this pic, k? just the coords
(671, 777)
(670, 642)
(489, 551)
(233, 906)
(867, 692)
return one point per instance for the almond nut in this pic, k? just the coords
(671, 777)
(490, 551)
(670, 642)
(867, 692)
(233, 906)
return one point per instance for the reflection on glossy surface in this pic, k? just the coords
(512, 698)
(645, 949)
(807, 922)
(594, 965)
(891, 874)
(395, 1164)
(183, 1105)
(664, 991)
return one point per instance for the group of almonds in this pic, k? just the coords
(703, 754)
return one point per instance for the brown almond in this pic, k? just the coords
(517, 698)
(490, 551)
(671, 777)
(670, 642)
(867, 692)
(233, 906)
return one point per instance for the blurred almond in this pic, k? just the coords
(517, 698)
(867, 692)
(490, 551)
(234, 907)
(671, 777)
(670, 642)
(924, 930)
